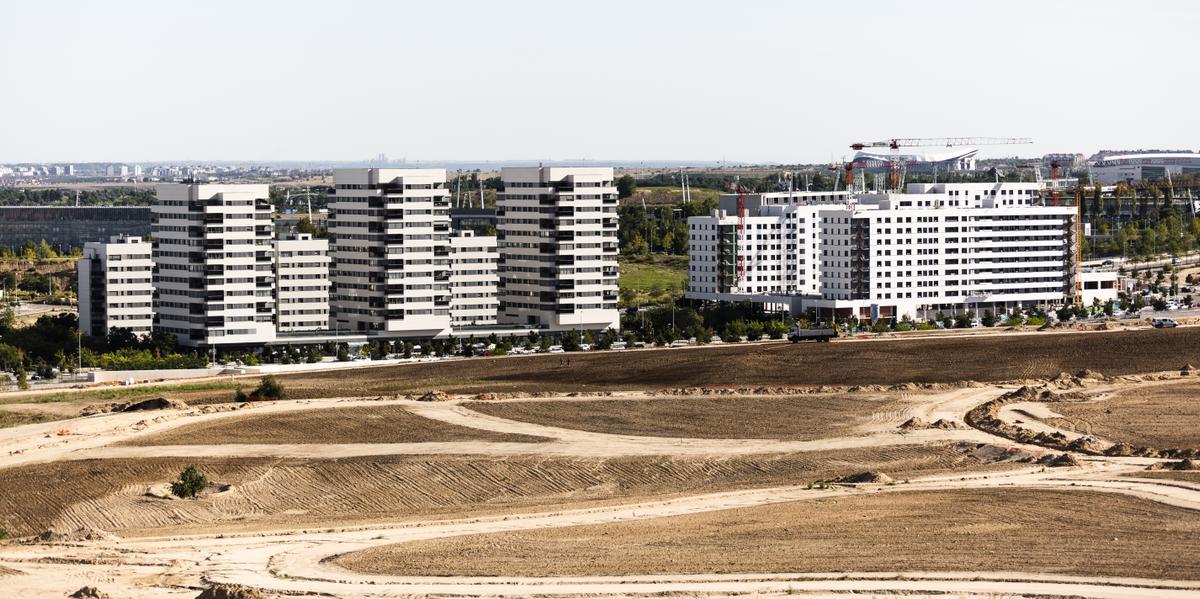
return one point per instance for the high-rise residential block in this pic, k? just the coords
(389, 235)
(557, 237)
(473, 280)
(215, 264)
(302, 283)
(116, 289)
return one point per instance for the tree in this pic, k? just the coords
(989, 319)
(570, 341)
(343, 353)
(754, 331)
(626, 185)
(22, 379)
(269, 388)
(191, 482)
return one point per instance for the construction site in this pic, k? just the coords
(1064, 465)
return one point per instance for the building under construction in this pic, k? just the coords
(945, 248)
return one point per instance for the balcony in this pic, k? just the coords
(562, 285)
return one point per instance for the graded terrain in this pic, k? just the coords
(672, 477)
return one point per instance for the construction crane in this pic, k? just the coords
(895, 144)
(741, 191)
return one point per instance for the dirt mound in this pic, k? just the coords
(877, 478)
(1120, 450)
(949, 425)
(988, 454)
(1085, 445)
(1184, 464)
(1062, 460)
(914, 423)
(1187, 370)
(76, 536)
(231, 591)
(88, 593)
(435, 396)
(154, 403)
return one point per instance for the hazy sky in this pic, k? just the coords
(737, 79)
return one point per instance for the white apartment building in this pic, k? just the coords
(936, 248)
(116, 288)
(776, 252)
(301, 283)
(473, 280)
(389, 235)
(557, 237)
(214, 261)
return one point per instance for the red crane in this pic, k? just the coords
(740, 190)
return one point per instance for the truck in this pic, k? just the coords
(798, 334)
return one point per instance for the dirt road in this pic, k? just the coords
(298, 560)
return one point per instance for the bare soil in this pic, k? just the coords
(271, 494)
(1059, 532)
(950, 359)
(376, 424)
(801, 417)
(1161, 416)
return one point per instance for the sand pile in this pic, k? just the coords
(88, 593)
(877, 478)
(231, 591)
(435, 395)
(913, 424)
(1062, 460)
(154, 403)
(76, 536)
(1184, 464)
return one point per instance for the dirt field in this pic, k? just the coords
(885, 361)
(382, 424)
(1161, 416)
(800, 417)
(853, 363)
(995, 530)
(110, 494)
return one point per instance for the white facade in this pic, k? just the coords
(1122, 168)
(937, 248)
(213, 253)
(473, 280)
(302, 283)
(557, 236)
(777, 249)
(390, 247)
(116, 288)
(1098, 286)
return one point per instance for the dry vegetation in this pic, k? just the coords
(375, 424)
(984, 530)
(110, 494)
(800, 417)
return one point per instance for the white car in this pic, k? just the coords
(557, 349)
(1163, 323)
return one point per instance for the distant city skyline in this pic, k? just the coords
(627, 82)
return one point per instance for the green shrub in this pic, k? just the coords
(754, 331)
(926, 326)
(904, 326)
(270, 388)
(190, 482)
(240, 396)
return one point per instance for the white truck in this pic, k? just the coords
(798, 334)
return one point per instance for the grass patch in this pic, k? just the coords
(11, 419)
(659, 279)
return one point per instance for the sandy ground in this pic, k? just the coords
(296, 559)
(1162, 415)
(1011, 529)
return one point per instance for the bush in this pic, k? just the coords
(270, 388)
(240, 396)
(570, 341)
(904, 326)
(926, 326)
(22, 379)
(879, 326)
(4, 534)
(776, 329)
(989, 319)
(754, 331)
(343, 353)
(190, 482)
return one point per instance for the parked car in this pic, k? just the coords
(1163, 323)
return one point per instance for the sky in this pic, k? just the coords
(744, 80)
